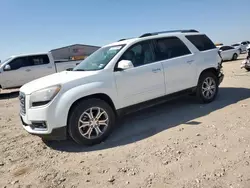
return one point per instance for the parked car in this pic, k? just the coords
(117, 79)
(229, 53)
(21, 69)
(241, 46)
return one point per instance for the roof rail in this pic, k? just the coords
(124, 39)
(170, 31)
(121, 40)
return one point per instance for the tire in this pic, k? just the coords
(235, 56)
(200, 91)
(248, 69)
(82, 110)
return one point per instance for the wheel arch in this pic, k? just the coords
(101, 96)
(211, 69)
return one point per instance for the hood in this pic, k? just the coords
(55, 79)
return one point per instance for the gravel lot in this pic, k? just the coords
(177, 144)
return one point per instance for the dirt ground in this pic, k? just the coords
(179, 144)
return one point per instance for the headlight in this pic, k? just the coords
(44, 96)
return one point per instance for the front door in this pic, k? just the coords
(145, 80)
(18, 74)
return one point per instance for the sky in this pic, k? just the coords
(28, 26)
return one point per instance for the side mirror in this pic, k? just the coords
(7, 67)
(125, 64)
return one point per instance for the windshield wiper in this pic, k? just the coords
(79, 70)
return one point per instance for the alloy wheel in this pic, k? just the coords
(93, 122)
(209, 88)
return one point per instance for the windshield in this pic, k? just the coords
(99, 59)
(5, 60)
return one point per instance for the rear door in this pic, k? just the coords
(179, 64)
(40, 66)
(227, 52)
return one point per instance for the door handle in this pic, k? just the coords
(27, 70)
(156, 70)
(190, 61)
(49, 67)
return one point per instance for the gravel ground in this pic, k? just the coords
(177, 144)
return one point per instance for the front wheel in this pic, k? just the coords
(91, 122)
(248, 69)
(207, 87)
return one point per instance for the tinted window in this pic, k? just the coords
(38, 59)
(139, 54)
(201, 42)
(19, 62)
(236, 45)
(226, 48)
(244, 43)
(171, 47)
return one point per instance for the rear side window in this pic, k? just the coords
(201, 42)
(38, 60)
(224, 48)
(171, 47)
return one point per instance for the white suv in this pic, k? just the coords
(117, 79)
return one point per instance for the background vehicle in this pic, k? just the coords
(237, 46)
(21, 69)
(228, 53)
(241, 46)
(117, 79)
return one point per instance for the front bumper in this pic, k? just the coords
(55, 134)
(43, 121)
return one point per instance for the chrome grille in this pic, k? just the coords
(22, 103)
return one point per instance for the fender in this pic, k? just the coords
(67, 98)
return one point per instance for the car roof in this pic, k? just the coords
(30, 54)
(154, 36)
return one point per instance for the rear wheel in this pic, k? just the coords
(91, 122)
(207, 88)
(248, 69)
(235, 56)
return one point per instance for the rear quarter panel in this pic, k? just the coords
(204, 59)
